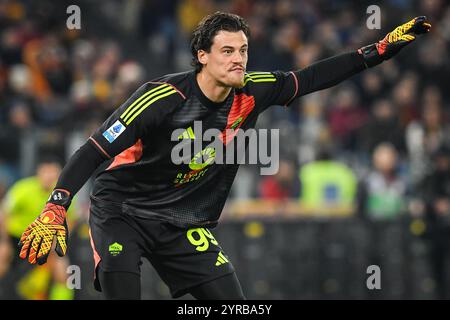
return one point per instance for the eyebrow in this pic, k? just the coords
(230, 47)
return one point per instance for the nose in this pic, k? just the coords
(237, 57)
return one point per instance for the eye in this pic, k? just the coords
(243, 51)
(227, 51)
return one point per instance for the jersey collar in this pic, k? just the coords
(204, 99)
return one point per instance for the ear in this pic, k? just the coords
(202, 56)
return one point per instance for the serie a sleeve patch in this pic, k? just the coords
(114, 131)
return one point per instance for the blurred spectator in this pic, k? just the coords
(11, 51)
(327, 35)
(426, 136)
(160, 32)
(404, 95)
(327, 184)
(241, 7)
(434, 63)
(190, 12)
(33, 56)
(373, 86)
(285, 41)
(281, 186)
(383, 126)
(261, 49)
(16, 139)
(384, 189)
(18, 211)
(314, 131)
(307, 55)
(346, 117)
(435, 192)
(130, 75)
(104, 70)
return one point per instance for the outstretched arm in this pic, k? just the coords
(331, 71)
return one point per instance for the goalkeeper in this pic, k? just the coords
(143, 204)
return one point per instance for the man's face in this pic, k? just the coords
(48, 174)
(227, 59)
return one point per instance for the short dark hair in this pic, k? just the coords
(204, 33)
(44, 158)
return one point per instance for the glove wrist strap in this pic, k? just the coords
(60, 197)
(371, 55)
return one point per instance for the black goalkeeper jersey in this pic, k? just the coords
(137, 140)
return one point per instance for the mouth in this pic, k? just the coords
(238, 70)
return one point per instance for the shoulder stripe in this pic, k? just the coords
(256, 73)
(155, 98)
(259, 80)
(142, 99)
(175, 88)
(260, 76)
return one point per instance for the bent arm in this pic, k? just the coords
(80, 168)
(144, 110)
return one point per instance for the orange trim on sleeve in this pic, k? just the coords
(130, 155)
(296, 88)
(100, 147)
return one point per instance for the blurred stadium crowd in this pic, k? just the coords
(379, 142)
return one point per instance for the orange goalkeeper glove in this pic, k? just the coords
(394, 41)
(37, 240)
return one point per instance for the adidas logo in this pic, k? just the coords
(221, 259)
(187, 134)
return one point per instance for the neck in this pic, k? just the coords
(211, 89)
